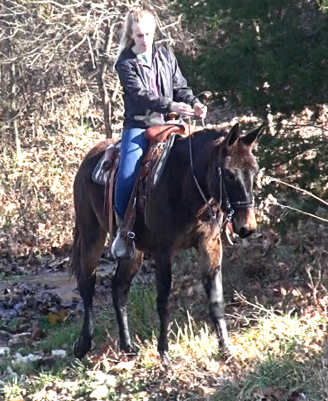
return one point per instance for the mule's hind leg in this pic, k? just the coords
(91, 243)
(210, 251)
(121, 283)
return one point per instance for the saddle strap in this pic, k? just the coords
(111, 183)
(130, 214)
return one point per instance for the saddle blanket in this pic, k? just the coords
(100, 173)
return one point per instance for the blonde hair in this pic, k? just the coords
(133, 16)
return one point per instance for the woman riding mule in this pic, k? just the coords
(208, 177)
(153, 85)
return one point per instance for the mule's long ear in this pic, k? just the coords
(253, 136)
(233, 135)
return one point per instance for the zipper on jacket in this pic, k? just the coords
(152, 77)
(153, 80)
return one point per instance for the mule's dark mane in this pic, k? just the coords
(207, 134)
(201, 144)
(199, 139)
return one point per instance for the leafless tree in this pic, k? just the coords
(56, 60)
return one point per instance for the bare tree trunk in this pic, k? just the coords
(14, 113)
(102, 69)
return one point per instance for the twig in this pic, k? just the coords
(300, 211)
(269, 179)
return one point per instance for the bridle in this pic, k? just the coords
(229, 207)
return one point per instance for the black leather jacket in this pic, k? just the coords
(149, 90)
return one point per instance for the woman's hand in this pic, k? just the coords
(200, 110)
(182, 109)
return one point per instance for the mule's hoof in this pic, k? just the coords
(226, 353)
(81, 348)
(129, 351)
(166, 360)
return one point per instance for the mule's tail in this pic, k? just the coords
(75, 259)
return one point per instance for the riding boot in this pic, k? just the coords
(123, 247)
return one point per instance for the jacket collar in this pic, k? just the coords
(127, 53)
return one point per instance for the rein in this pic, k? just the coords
(209, 207)
(223, 190)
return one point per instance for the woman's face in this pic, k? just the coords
(143, 35)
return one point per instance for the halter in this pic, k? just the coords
(229, 206)
(236, 205)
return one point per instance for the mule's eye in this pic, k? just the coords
(229, 176)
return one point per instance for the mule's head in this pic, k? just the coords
(234, 168)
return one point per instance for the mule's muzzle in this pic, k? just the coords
(244, 222)
(245, 232)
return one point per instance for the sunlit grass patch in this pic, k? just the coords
(278, 354)
(271, 333)
(70, 382)
(275, 333)
(275, 377)
(190, 340)
(14, 387)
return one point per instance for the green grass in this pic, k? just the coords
(142, 309)
(279, 377)
(63, 336)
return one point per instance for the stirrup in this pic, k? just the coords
(123, 248)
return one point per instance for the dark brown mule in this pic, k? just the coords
(207, 178)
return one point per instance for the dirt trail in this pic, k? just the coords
(55, 282)
(47, 291)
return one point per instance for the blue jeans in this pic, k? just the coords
(133, 147)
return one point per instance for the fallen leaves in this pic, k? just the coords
(268, 394)
(124, 365)
(58, 317)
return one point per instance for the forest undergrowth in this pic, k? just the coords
(275, 284)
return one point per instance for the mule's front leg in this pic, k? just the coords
(163, 281)
(210, 250)
(121, 283)
(214, 290)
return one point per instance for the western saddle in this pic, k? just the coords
(144, 185)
